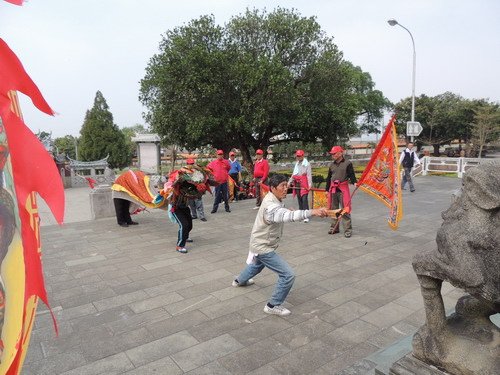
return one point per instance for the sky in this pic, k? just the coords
(73, 48)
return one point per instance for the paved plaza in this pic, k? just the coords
(127, 303)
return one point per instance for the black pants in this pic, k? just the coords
(122, 207)
(221, 194)
(303, 201)
(183, 218)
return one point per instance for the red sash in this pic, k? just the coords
(303, 183)
(346, 194)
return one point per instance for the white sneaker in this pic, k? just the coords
(306, 220)
(277, 310)
(256, 208)
(249, 282)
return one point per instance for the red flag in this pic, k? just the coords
(380, 178)
(14, 77)
(15, 2)
(30, 169)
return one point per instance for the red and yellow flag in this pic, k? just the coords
(25, 169)
(380, 178)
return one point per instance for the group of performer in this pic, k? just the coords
(182, 197)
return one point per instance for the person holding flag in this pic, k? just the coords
(340, 173)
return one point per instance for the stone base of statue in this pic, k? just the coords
(409, 365)
(468, 343)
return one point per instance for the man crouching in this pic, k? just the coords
(264, 240)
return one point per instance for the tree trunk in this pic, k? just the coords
(436, 149)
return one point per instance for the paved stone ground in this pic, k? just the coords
(126, 302)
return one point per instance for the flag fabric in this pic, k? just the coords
(28, 169)
(264, 189)
(319, 198)
(15, 2)
(380, 178)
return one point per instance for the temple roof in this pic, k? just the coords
(146, 138)
(103, 163)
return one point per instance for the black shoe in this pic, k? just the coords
(133, 223)
(412, 190)
(213, 212)
(189, 240)
(228, 210)
(125, 225)
(203, 219)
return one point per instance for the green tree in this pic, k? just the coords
(262, 79)
(101, 137)
(444, 118)
(66, 145)
(129, 132)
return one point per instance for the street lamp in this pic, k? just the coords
(393, 22)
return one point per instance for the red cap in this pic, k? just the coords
(190, 161)
(299, 153)
(259, 152)
(336, 149)
(232, 153)
(220, 152)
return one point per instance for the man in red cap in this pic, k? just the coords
(220, 168)
(340, 173)
(260, 174)
(301, 181)
(235, 173)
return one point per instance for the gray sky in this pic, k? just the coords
(72, 48)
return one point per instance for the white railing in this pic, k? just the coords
(447, 165)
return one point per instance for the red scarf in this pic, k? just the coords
(346, 194)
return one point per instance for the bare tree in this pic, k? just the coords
(486, 126)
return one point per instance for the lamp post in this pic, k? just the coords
(393, 22)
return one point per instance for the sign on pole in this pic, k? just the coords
(413, 128)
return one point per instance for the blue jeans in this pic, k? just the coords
(275, 263)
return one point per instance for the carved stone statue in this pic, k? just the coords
(468, 257)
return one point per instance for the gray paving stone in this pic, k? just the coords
(175, 324)
(119, 300)
(154, 302)
(206, 352)
(164, 365)
(210, 369)
(226, 307)
(344, 313)
(387, 315)
(155, 350)
(58, 364)
(341, 295)
(114, 364)
(115, 305)
(304, 359)
(217, 327)
(254, 356)
(303, 333)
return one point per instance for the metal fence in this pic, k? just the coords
(447, 165)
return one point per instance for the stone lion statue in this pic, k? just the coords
(468, 257)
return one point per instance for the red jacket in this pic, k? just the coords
(220, 169)
(261, 169)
